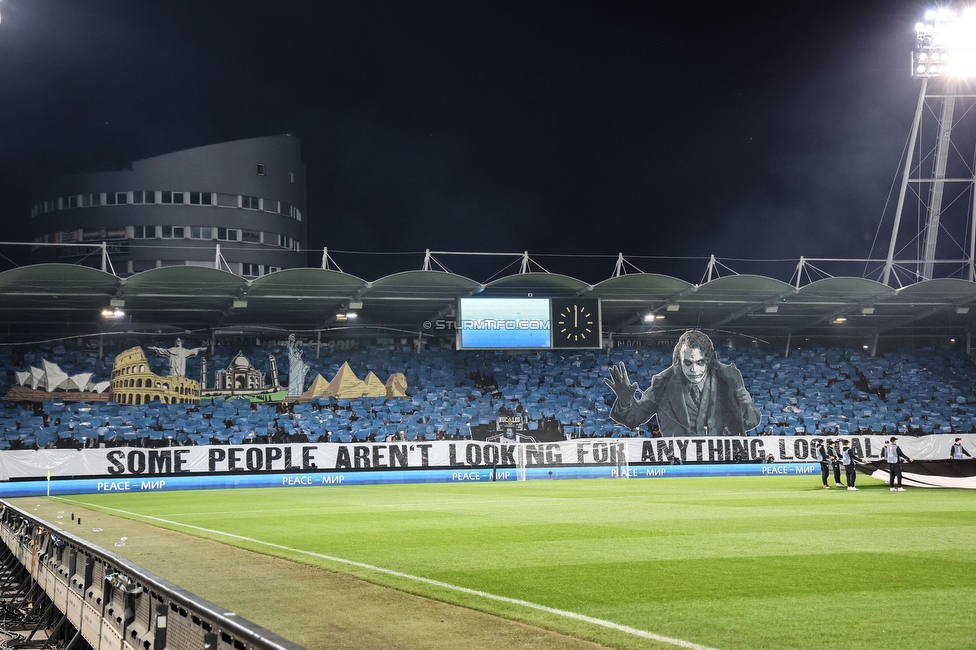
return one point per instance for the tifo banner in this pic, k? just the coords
(135, 462)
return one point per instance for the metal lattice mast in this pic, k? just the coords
(937, 187)
(944, 60)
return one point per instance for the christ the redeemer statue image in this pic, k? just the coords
(177, 356)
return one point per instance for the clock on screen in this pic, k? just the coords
(575, 323)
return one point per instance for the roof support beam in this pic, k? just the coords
(901, 322)
(847, 309)
(739, 313)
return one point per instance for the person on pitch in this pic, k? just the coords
(893, 455)
(820, 453)
(834, 455)
(696, 396)
(959, 452)
(850, 459)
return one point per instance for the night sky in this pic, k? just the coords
(752, 130)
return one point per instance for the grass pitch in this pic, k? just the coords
(770, 562)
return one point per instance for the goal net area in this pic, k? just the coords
(539, 460)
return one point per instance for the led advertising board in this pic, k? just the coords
(528, 323)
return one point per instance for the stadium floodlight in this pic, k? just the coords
(944, 61)
(945, 44)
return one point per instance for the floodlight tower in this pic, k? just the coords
(942, 177)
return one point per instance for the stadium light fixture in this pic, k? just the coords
(945, 53)
(945, 44)
(112, 313)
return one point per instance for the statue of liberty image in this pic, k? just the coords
(297, 368)
(177, 357)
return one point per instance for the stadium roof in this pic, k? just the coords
(57, 299)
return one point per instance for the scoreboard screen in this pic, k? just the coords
(528, 323)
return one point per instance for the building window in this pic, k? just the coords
(143, 232)
(260, 169)
(273, 269)
(285, 209)
(121, 198)
(172, 232)
(251, 236)
(228, 234)
(201, 198)
(73, 201)
(251, 270)
(179, 197)
(250, 203)
(284, 241)
(144, 197)
(165, 197)
(228, 200)
(110, 198)
(197, 232)
(269, 206)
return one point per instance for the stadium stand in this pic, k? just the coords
(458, 395)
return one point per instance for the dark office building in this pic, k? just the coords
(244, 198)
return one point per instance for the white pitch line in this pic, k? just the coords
(333, 506)
(626, 629)
(433, 505)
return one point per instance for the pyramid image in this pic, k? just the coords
(319, 388)
(374, 387)
(346, 385)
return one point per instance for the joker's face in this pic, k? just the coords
(693, 364)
